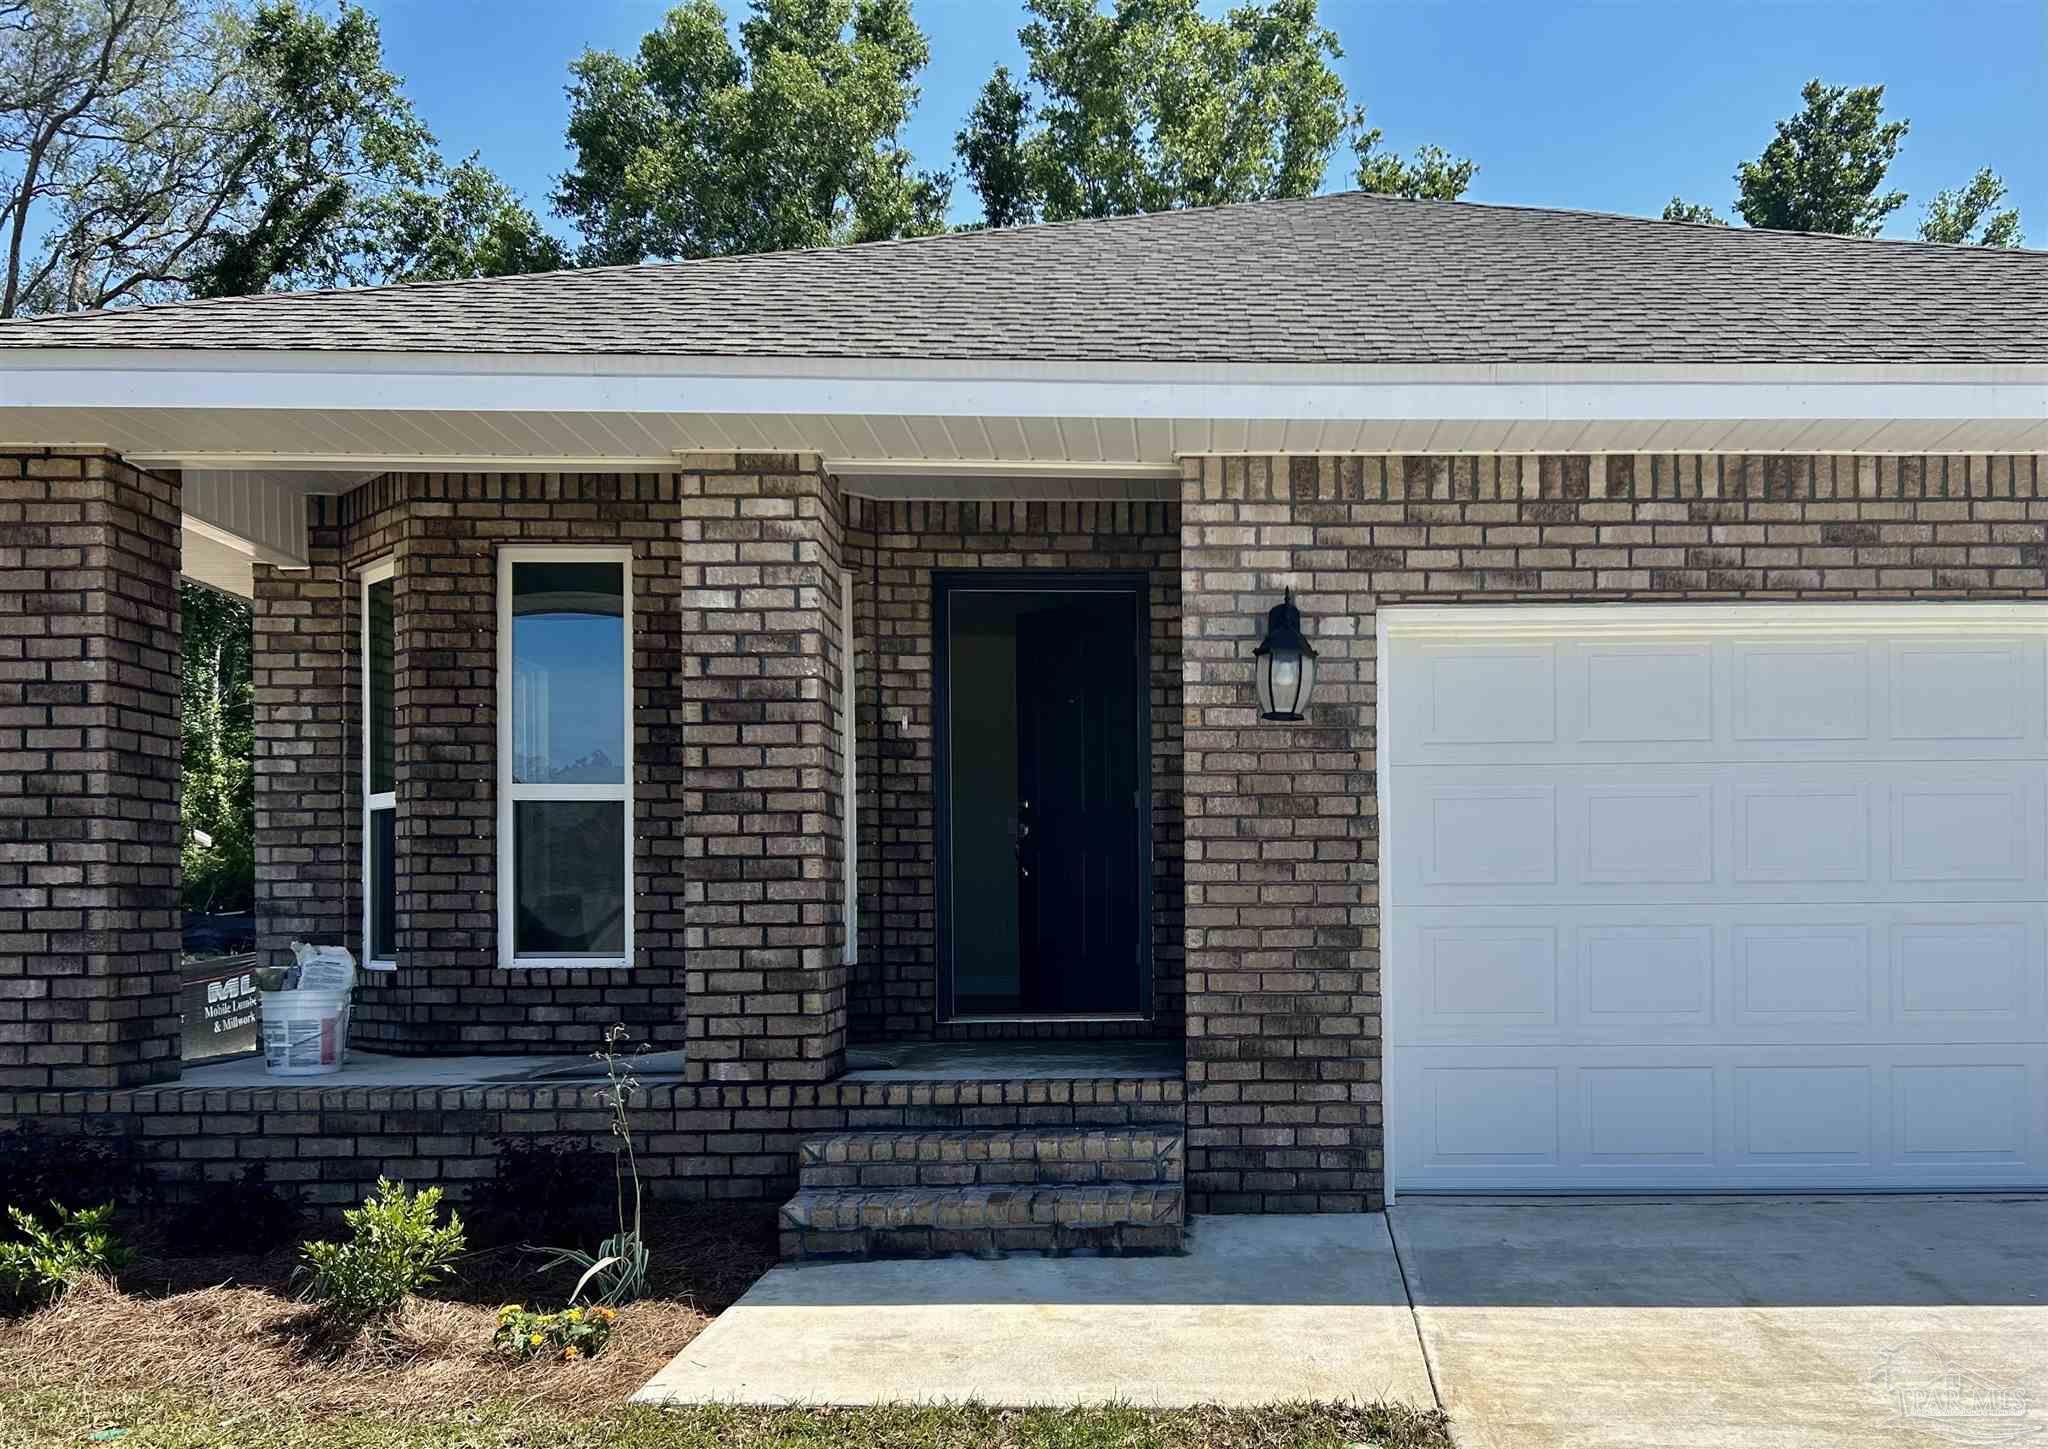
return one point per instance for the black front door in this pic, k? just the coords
(1046, 799)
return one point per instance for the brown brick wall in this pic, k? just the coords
(761, 731)
(893, 547)
(442, 531)
(89, 761)
(305, 633)
(1282, 899)
(696, 1142)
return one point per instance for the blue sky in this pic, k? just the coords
(1608, 106)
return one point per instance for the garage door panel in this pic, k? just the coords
(1703, 1118)
(1704, 697)
(1720, 908)
(1863, 831)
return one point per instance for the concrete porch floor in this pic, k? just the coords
(373, 1069)
(1013, 1061)
(994, 1061)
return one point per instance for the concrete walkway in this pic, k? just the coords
(1260, 1309)
(1757, 1323)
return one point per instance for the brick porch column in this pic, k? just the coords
(1283, 982)
(89, 760)
(305, 634)
(760, 685)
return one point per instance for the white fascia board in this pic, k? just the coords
(342, 382)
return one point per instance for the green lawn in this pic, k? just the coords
(84, 1415)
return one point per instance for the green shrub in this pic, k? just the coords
(569, 1335)
(249, 1214)
(545, 1190)
(397, 1245)
(74, 1169)
(45, 1261)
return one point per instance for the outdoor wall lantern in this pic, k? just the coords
(1284, 669)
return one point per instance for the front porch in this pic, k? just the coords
(443, 1120)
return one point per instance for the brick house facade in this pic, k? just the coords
(1206, 954)
(738, 727)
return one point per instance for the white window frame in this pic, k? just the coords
(510, 794)
(383, 571)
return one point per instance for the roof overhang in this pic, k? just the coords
(266, 426)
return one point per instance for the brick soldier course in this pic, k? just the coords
(739, 734)
(89, 758)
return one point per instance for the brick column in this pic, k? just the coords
(89, 759)
(305, 637)
(1283, 991)
(759, 684)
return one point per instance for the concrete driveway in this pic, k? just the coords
(1765, 1323)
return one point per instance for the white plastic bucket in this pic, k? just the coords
(305, 1033)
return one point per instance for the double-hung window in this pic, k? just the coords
(565, 756)
(380, 786)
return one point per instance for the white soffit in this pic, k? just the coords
(328, 410)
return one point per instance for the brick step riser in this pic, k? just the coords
(1004, 1158)
(923, 1221)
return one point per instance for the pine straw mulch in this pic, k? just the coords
(232, 1325)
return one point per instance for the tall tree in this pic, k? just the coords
(1823, 170)
(694, 148)
(1434, 175)
(1698, 213)
(1971, 214)
(1154, 104)
(991, 150)
(172, 149)
(217, 800)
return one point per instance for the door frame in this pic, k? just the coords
(946, 583)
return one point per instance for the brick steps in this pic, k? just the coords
(991, 1157)
(920, 1222)
(987, 1191)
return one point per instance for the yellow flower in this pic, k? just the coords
(570, 1352)
(536, 1340)
(574, 1315)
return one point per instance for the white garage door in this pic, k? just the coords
(1715, 897)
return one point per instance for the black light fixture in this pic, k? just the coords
(1285, 667)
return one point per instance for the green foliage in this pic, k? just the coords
(397, 1246)
(991, 149)
(1823, 170)
(1434, 175)
(43, 1262)
(243, 1214)
(72, 1169)
(1970, 215)
(1154, 105)
(217, 795)
(692, 148)
(174, 148)
(545, 1189)
(572, 1334)
(1698, 213)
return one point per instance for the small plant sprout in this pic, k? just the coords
(617, 1272)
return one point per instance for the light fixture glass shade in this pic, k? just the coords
(1284, 669)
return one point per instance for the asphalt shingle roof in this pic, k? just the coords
(1349, 278)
